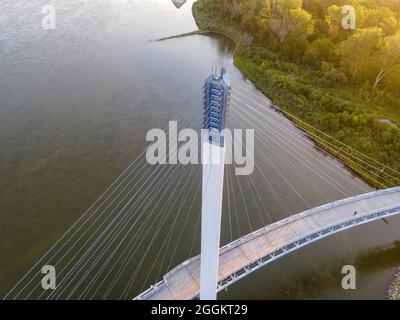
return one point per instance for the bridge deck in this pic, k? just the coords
(251, 252)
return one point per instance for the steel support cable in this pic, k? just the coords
(252, 194)
(132, 245)
(184, 225)
(292, 134)
(123, 226)
(282, 158)
(256, 202)
(231, 186)
(309, 206)
(258, 209)
(144, 223)
(109, 258)
(133, 248)
(118, 226)
(327, 135)
(333, 145)
(316, 145)
(244, 202)
(172, 228)
(234, 199)
(133, 197)
(113, 234)
(290, 185)
(259, 197)
(128, 287)
(81, 248)
(63, 237)
(121, 296)
(84, 233)
(98, 228)
(275, 194)
(294, 146)
(203, 191)
(194, 235)
(69, 230)
(297, 172)
(229, 202)
(177, 243)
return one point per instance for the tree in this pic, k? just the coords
(361, 52)
(230, 7)
(391, 57)
(320, 50)
(334, 20)
(394, 5)
(250, 10)
(285, 16)
(381, 17)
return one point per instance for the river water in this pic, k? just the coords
(75, 106)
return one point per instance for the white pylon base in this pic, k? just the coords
(213, 156)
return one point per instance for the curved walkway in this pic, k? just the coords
(245, 255)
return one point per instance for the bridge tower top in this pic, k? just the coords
(216, 91)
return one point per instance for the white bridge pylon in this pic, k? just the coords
(216, 94)
(212, 186)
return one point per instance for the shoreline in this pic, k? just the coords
(346, 154)
(201, 32)
(182, 35)
(393, 292)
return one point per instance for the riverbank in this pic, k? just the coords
(393, 292)
(269, 74)
(337, 119)
(182, 35)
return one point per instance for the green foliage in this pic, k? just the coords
(311, 32)
(325, 82)
(332, 76)
(361, 54)
(319, 51)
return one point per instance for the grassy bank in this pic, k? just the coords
(359, 127)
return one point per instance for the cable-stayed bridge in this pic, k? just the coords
(247, 254)
(148, 220)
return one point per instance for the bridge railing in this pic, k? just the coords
(306, 213)
(150, 291)
(302, 241)
(296, 243)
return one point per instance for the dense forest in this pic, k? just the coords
(311, 32)
(334, 67)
